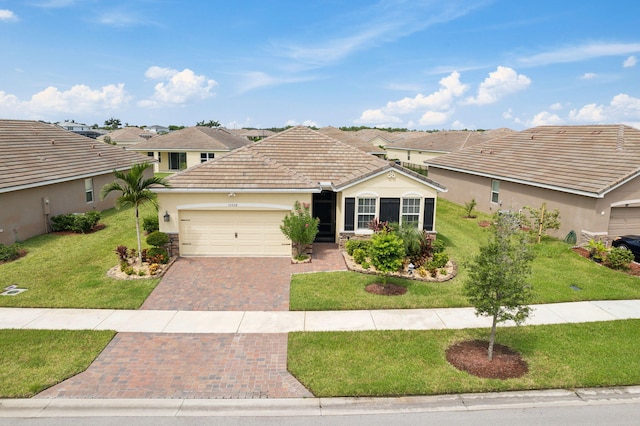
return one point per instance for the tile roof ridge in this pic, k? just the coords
(270, 161)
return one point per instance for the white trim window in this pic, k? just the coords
(495, 191)
(206, 156)
(411, 211)
(366, 212)
(88, 190)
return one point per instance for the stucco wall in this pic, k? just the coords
(22, 215)
(411, 156)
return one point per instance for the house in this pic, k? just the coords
(46, 171)
(81, 129)
(414, 151)
(253, 135)
(589, 173)
(351, 139)
(187, 147)
(126, 136)
(234, 205)
(159, 130)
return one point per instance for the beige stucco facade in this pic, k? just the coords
(585, 215)
(26, 213)
(411, 156)
(192, 157)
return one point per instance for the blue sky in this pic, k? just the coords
(420, 64)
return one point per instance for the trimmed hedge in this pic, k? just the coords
(75, 222)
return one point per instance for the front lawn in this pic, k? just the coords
(555, 271)
(396, 363)
(33, 360)
(69, 271)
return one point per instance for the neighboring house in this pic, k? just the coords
(234, 205)
(253, 134)
(591, 174)
(126, 136)
(81, 129)
(187, 147)
(415, 151)
(351, 139)
(159, 130)
(46, 171)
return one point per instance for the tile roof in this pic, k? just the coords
(351, 139)
(128, 134)
(33, 154)
(445, 141)
(297, 159)
(197, 138)
(589, 160)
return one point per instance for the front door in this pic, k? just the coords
(324, 208)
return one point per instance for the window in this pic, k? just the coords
(411, 211)
(88, 190)
(408, 155)
(495, 191)
(159, 157)
(366, 212)
(177, 160)
(150, 154)
(206, 156)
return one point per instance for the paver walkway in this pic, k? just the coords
(204, 365)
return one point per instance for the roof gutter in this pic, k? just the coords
(172, 190)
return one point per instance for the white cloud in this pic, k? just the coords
(178, 87)
(508, 114)
(308, 123)
(588, 76)
(7, 15)
(258, 79)
(431, 118)
(80, 99)
(630, 62)
(458, 125)
(500, 83)
(590, 113)
(545, 118)
(556, 107)
(580, 53)
(377, 117)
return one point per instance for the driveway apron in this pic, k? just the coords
(154, 365)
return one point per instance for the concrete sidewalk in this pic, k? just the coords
(171, 321)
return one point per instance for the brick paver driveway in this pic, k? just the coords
(153, 365)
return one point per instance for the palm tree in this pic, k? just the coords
(135, 191)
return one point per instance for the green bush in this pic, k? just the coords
(10, 252)
(351, 245)
(618, 258)
(150, 224)
(359, 256)
(439, 260)
(157, 239)
(75, 222)
(158, 255)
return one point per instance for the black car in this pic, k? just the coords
(629, 242)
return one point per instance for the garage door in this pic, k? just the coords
(624, 221)
(232, 233)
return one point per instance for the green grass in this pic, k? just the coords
(392, 363)
(555, 269)
(69, 271)
(33, 360)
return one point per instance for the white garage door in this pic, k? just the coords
(232, 233)
(624, 221)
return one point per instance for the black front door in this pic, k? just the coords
(324, 208)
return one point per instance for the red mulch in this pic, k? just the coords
(634, 267)
(389, 290)
(484, 223)
(471, 356)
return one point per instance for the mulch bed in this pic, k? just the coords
(634, 267)
(389, 290)
(471, 356)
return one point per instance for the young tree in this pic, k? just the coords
(299, 227)
(112, 124)
(468, 208)
(498, 284)
(134, 189)
(386, 253)
(540, 220)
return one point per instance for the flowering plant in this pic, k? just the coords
(299, 226)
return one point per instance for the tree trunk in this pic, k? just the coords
(492, 338)
(138, 235)
(540, 226)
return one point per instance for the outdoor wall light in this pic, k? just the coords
(166, 216)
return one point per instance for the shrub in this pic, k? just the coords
(158, 255)
(150, 224)
(468, 208)
(75, 222)
(365, 265)
(10, 252)
(386, 253)
(157, 239)
(439, 260)
(359, 256)
(597, 250)
(618, 258)
(124, 265)
(351, 245)
(122, 252)
(299, 226)
(153, 268)
(416, 244)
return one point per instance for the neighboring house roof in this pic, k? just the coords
(444, 141)
(34, 154)
(197, 138)
(128, 135)
(351, 139)
(297, 159)
(585, 160)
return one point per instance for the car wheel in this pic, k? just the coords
(623, 246)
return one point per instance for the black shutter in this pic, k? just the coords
(349, 214)
(429, 212)
(390, 210)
